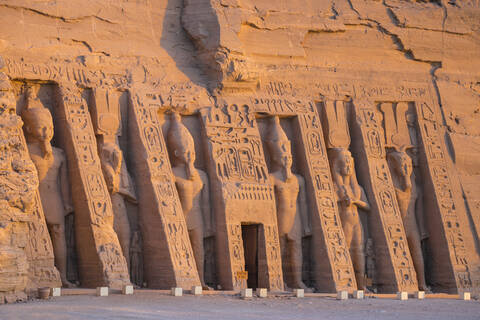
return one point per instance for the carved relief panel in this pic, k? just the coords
(239, 173)
(449, 235)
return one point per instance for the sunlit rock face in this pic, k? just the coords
(323, 145)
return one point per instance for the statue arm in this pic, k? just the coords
(111, 177)
(302, 207)
(206, 208)
(362, 203)
(64, 184)
(117, 160)
(419, 213)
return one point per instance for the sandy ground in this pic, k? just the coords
(156, 306)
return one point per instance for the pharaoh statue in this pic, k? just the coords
(193, 189)
(351, 197)
(52, 173)
(292, 212)
(403, 177)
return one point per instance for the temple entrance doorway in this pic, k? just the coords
(250, 234)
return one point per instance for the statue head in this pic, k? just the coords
(342, 161)
(279, 146)
(401, 166)
(181, 142)
(38, 123)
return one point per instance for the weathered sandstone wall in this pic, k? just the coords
(230, 143)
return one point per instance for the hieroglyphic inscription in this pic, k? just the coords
(100, 257)
(168, 255)
(74, 73)
(240, 171)
(446, 200)
(396, 270)
(236, 149)
(327, 228)
(39, 250)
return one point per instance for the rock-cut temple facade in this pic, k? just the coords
(315, 144)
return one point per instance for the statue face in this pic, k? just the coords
(41, 128)
(185, 154)
(283, 156)
(402, 164)
(346, 165)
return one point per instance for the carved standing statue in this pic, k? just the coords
(107, 123)
(400, 134)
(351, 197)
(403, 177)
(111, 158)
(193, 189)
(52, 173)
(291, 203)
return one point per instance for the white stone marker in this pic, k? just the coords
(403, 295)
(358, 294)
(420, 295)
(246, 293)
(102, 291)
(262, 292)
(56, 292)
(299, 293)
(464, 296)
(342, 295)
(197, 290)
(127, 289)
(177, 292)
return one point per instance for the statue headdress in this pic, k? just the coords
(276, 137)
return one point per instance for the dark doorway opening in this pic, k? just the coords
(250, 250)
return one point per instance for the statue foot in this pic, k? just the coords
(425, 288)
(68, 284)
(306, 289)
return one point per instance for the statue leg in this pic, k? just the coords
(285, 261)
(121, 225)
(196, 239)
(414, 243)
(296, 262)
(357, 253)
(57, 233)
